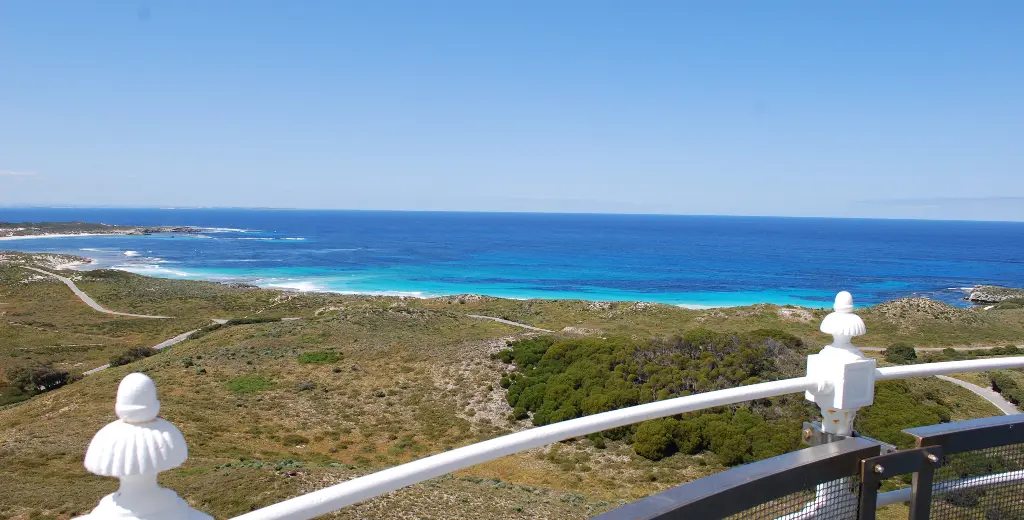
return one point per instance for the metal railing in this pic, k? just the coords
(798, 485)
(955, 475)
(839, 379)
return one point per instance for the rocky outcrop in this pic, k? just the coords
(164, 229)
(993, 294)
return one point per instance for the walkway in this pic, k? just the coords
(173, 341)
(509, 322)
(988, 394)
(89, 301)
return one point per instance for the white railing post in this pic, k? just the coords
(844, 382)
(845, 377)
(134, 449)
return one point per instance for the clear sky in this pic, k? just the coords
(890, 109)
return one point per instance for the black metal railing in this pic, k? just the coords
(964, 470)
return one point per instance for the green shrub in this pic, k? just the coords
(131, 355)
(38, 379)
(323, 357)
(900, 353)
(652, 440)
(248, 321)
(248, 384)
(294, 440)
(1001, 381)
(895, 409)
(568, 378)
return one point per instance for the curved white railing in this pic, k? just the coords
(947, 367)
(839, 379)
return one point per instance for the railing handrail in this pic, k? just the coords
(947, 367)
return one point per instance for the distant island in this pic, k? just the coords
(16, 230)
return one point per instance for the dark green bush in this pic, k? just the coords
(248, 321)
(900, 353)
(131, 355)
(573, 377)
(652, 440)
(294, 440)
(38, 379)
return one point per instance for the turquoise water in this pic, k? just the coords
(683, 260)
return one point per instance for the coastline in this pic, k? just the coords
(62, 235)
(498, 260)
(309, 287)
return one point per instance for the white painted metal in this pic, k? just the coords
(135, 448)
(355, 490)
(948, 367)
(831, 500)
(847, 377)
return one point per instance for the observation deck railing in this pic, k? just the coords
(828, 481)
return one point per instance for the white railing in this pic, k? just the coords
(840, 379)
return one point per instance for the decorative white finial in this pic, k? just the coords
(136, 399)
(845, 377)
(135, 448)
(843, 323)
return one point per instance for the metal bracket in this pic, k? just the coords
(813, 436)
(921, 462)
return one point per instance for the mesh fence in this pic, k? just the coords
(984, 484)
(835, 500)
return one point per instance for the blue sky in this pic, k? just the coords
(908, 109)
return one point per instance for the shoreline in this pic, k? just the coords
(89, 261)
(62, 235)
(311, 287)
(299, 285)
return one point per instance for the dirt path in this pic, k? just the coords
(89, 301)
(509, 322)
(986, 393)
(173, 341)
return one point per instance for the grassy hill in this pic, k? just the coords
(360, 383)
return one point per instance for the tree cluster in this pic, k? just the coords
(557, 379)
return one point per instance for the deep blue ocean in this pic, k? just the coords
(684, 260)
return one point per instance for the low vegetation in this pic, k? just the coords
(272, 409)
(130, 355)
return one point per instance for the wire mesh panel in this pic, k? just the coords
(982, 471)
(834, 500)
(817, 483)
(985, 484)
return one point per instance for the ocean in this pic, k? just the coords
(682, 260)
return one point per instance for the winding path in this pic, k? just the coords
(509, 322)
(173, 341)
(89, 301)
(988, 394)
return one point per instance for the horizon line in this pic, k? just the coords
(720, 215)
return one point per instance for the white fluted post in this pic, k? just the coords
(135, 448)
(845, 377)
(845, 381)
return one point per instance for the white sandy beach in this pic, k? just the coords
(56, 235)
